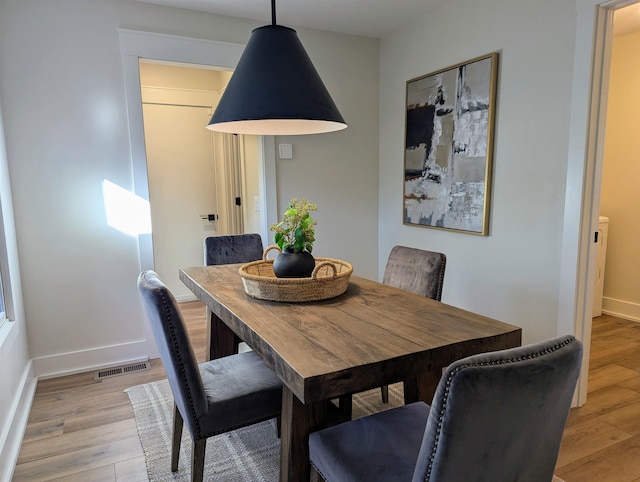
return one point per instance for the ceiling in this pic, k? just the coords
(371, 18)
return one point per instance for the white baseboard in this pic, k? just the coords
(621, 309)
(93, 359)
(19, 417)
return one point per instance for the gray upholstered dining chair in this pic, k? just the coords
(495, 416)
(418, 271)
(211, 398)
(231, 249)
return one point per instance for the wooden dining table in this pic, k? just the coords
(372, 335)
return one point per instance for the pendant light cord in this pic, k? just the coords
(273, 12)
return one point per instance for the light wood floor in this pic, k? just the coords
(83, 430)
(602, 438)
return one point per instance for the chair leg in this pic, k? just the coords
(197, 460)
(346, 407)
(384, 390)
(176, 438)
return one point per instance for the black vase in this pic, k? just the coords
(293, 265)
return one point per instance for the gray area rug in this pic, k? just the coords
(248, 454)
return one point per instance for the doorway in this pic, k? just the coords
(584, 173)
(619, 198)
(136, 44)
(200, 182)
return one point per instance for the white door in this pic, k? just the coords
(181, 171)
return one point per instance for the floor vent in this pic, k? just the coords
(116, 371)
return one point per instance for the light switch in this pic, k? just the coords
(285, 151)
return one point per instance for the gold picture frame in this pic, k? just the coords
(449, 125)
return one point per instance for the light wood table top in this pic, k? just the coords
(370, 336)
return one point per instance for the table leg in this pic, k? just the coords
(298, 420)
(428, 383)
(410, 389)
(220, 338)
(423, 386)
(207, 334)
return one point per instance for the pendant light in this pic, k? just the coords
(275, 89)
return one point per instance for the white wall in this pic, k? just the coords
(17, 382)
(513, 274)
(66, 125)
(339, 171)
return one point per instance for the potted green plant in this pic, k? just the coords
(295, 236)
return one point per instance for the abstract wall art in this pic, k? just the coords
(448, 146)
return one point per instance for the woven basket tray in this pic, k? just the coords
(329, 279)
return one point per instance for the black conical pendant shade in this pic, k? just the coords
(276, 90)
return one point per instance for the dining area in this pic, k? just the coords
(310, 352)
(319, 353)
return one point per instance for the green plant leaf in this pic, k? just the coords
(296, 230)
(279, 239)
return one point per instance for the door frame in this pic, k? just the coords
(135, 45)
(594, 31)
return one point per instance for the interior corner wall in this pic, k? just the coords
(61, 60)
(17, 383)
(513, 273)
(620, 198)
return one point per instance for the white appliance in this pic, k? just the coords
(602, 233)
